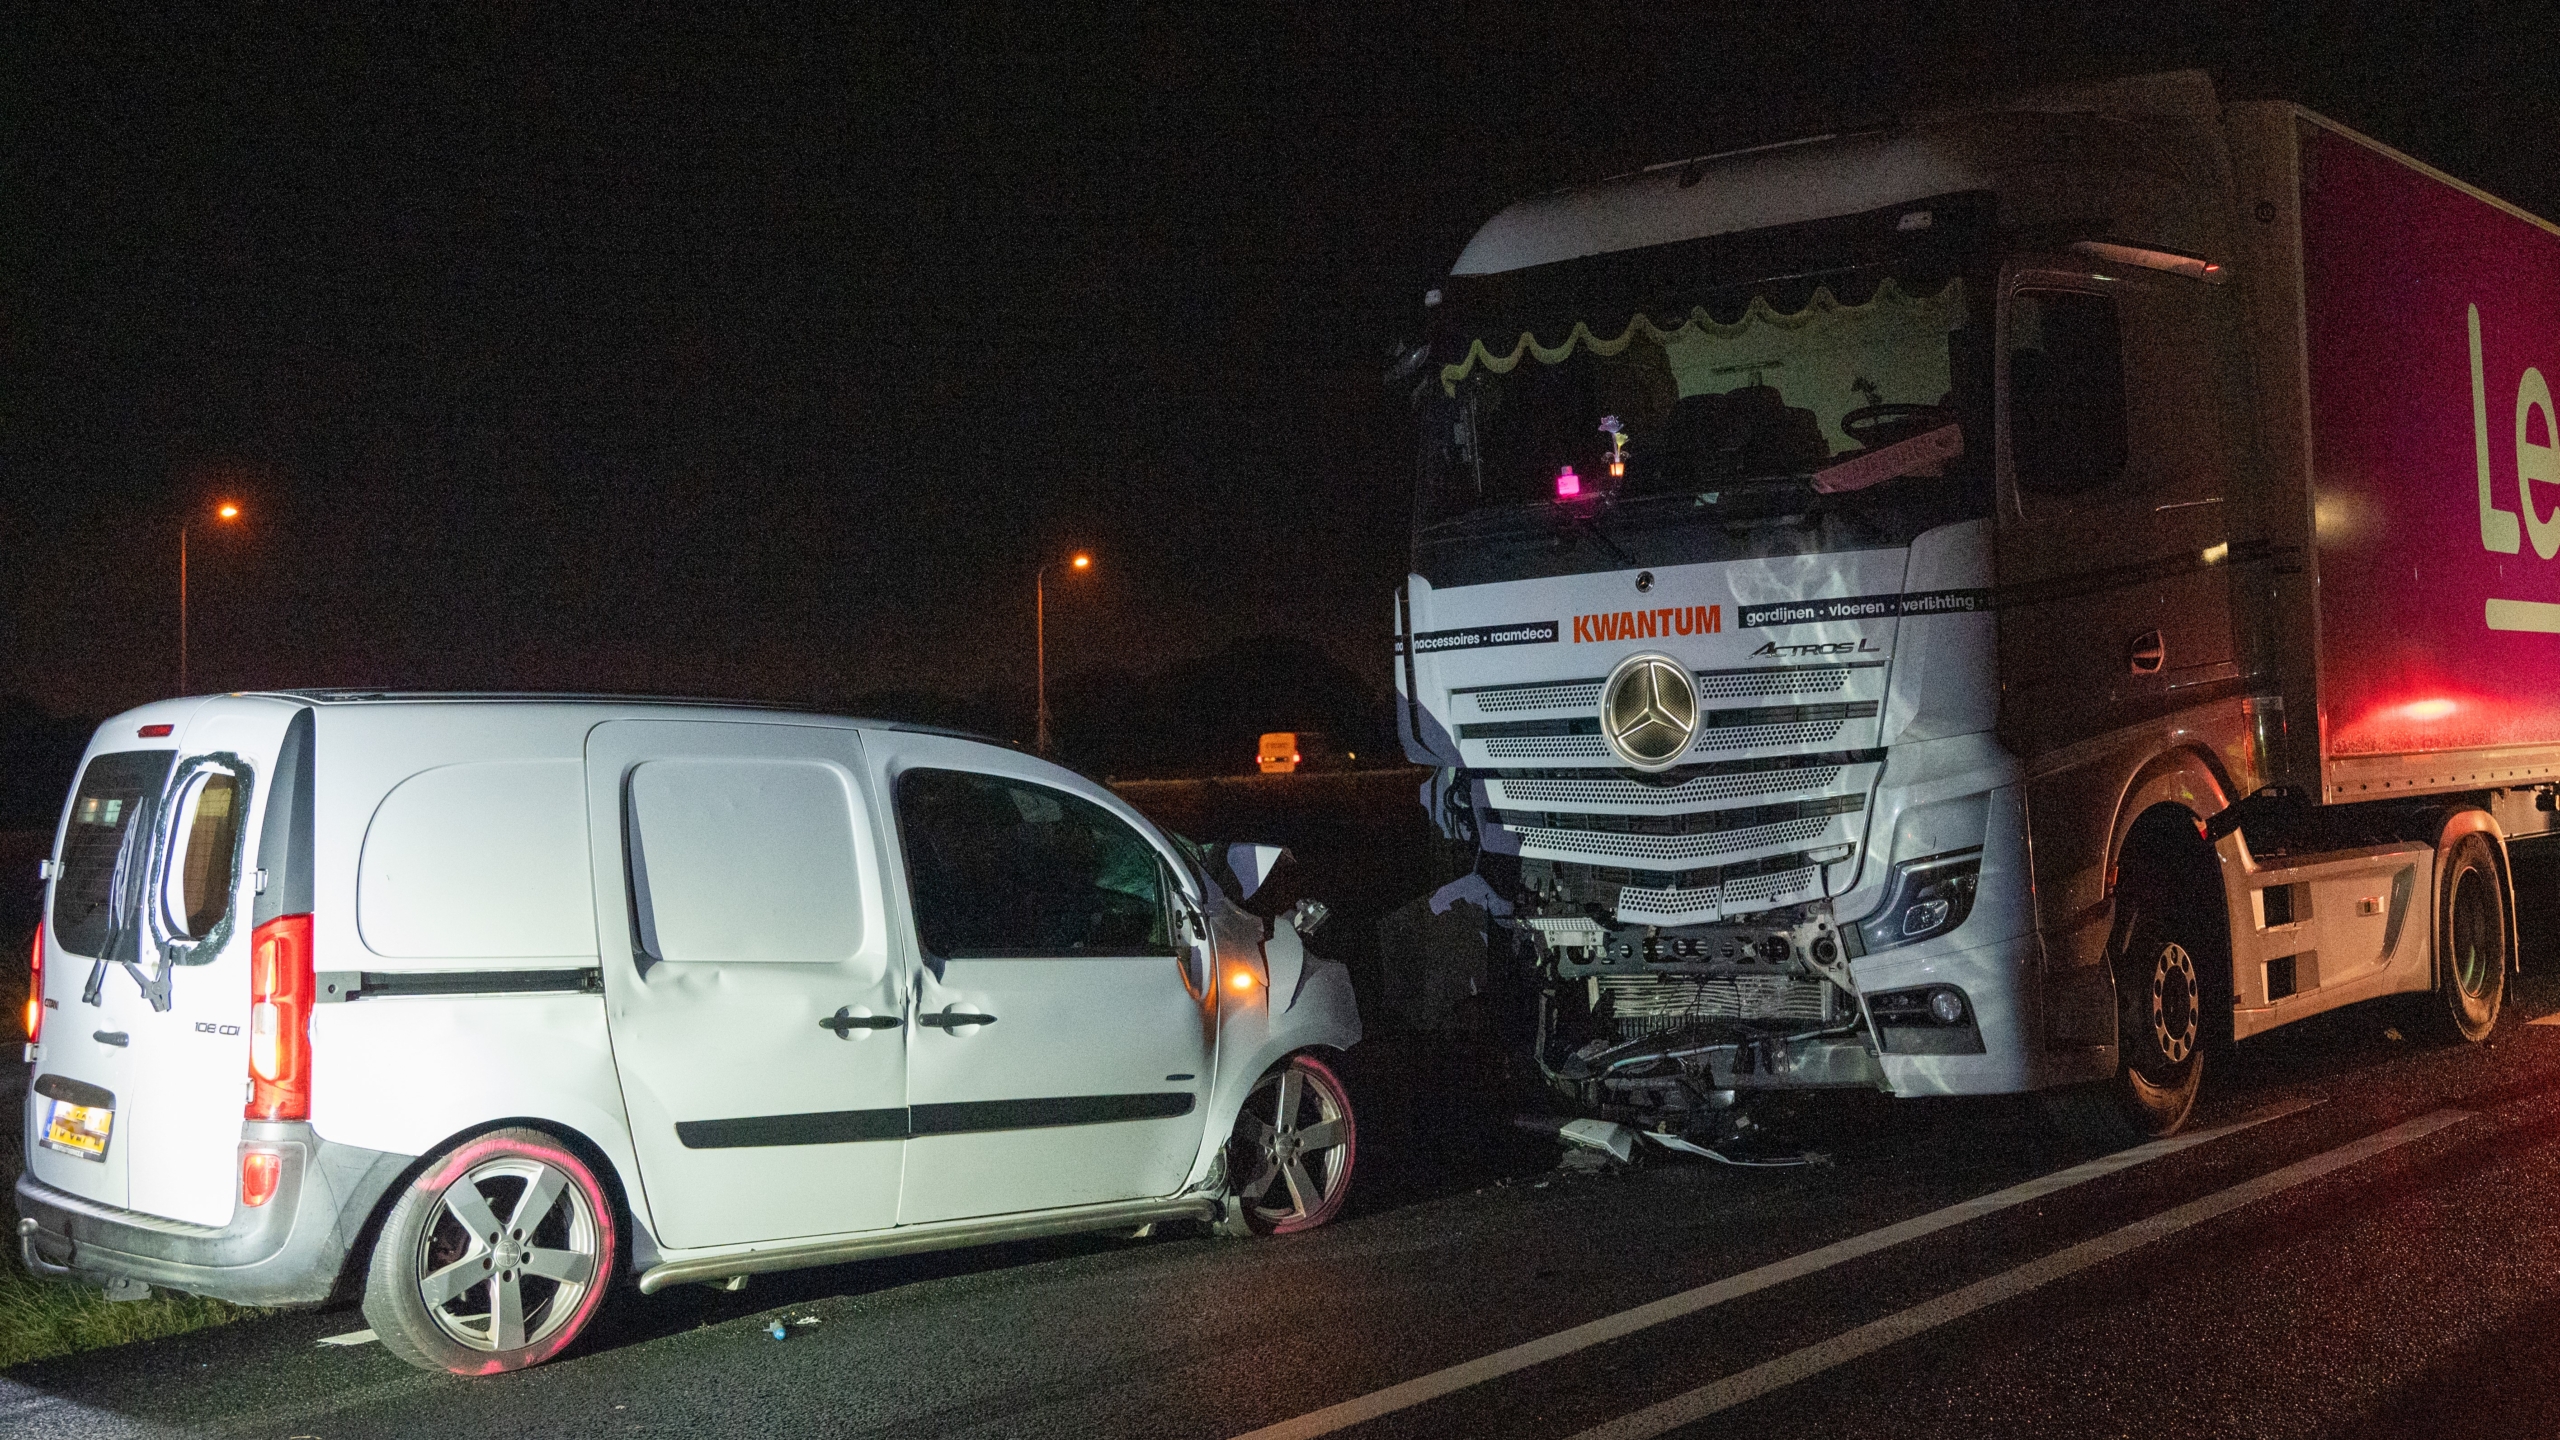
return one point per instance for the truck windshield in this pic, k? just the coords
(1648, 408)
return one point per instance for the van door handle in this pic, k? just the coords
(844, 1022)
(111, 1037)
(953, 1019)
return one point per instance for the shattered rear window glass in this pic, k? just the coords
(96, 893)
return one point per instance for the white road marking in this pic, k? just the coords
(1812, 1360)
(352, 1337)
(1733, 1287)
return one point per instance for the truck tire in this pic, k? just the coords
(2164, 1020)
(2473, 911)
(497, 1256)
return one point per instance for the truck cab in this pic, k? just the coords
(1864, 612)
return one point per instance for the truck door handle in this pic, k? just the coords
(844, 1022)
(2148, 653)
(953, 1019)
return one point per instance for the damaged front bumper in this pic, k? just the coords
(1667, 1027)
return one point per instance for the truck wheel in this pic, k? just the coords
(1292, 1148)
(2471, 956)
(496, 1258)
(2162, 1024)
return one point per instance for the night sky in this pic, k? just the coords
(760, 358)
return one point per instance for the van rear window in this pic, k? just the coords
(208, 836)
(96, 893)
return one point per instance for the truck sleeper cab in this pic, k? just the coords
(1973, 607)
(485, 1005)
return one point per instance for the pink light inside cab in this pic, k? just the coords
(1568, 484)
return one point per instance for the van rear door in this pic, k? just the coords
(158, 1015)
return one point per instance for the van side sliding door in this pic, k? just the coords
(755, 997)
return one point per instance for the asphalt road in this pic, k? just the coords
(2374, 1250)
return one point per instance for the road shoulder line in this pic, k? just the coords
(1364, 1408)
(1876, 1335)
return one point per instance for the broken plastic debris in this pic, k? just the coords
(1607, 1137)
(806, 1320)
(2391, 1034)
(1670, 1141)
(777, 1331)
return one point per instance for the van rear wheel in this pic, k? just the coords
(497, 1257)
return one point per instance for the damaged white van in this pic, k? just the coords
(484, 1004)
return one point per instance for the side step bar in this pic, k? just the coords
(941, 1235)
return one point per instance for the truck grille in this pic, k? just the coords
(1712, 685)
(1573, 794)
(1674, 848)
(1652, 1004)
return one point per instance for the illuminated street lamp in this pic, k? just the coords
(226, 512)
(1080, 561)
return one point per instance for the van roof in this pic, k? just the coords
(358, 696)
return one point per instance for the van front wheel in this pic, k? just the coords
(496, 1257)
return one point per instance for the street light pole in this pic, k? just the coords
(1040, 648)
(226, 511)
(1040, 659)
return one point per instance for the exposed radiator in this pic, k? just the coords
(1652, 1004)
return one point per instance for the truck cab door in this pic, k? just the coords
(2113, 544)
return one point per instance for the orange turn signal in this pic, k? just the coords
(1239, 979)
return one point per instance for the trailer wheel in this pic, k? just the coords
(2162, 1025)
(2471, 954)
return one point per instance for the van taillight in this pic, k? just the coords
(280, 987)
(35, 989)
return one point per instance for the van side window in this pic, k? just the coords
(97, 893)
(1003, 867)
(197, 892)
(744, 860)
(2066, 392)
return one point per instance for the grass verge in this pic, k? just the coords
(40, 1318)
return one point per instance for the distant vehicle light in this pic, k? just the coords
(228, 512)
(1568, 484)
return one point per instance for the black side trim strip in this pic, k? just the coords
(831, 1127)
(74, 1092)
(971, 1117)
(968, 1117)
(337, 985)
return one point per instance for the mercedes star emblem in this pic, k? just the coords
(1649, 711)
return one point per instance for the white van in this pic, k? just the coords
(481, 1003)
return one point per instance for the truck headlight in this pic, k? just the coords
(1926, 898)
(1937, 860)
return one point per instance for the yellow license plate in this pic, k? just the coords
(79, 1129)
